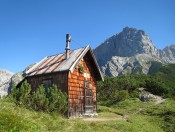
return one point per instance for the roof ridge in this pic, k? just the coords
(64, 52)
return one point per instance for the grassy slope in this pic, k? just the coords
(139, 116)
(150, 117)
(136, 121)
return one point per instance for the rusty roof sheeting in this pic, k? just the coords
(55, 63)
(58, 63)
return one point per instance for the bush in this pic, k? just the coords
(52, 100)
(156, 87)
(123, 94)
(39, 100)
(57, 100)
(116, 96)
(117, 89)
(21, 95)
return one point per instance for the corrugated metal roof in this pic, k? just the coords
(56, 63)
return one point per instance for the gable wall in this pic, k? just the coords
(76, 87)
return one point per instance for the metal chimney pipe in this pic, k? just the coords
(68, 39)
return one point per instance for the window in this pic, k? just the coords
(88, 88)
(47, 83)
(89, 92)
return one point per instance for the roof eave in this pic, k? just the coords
(79, 58)
(101, 75)
(30, 70)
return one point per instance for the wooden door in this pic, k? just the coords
(88, 98)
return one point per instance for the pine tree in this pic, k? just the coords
(57, 99)
(21, 95)
(39, 99)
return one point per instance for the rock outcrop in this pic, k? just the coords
(5, 77)
(168, 54)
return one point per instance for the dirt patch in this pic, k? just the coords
(103, 119)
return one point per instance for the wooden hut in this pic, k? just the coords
(74, 72)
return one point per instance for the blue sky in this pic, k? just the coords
(33, 29)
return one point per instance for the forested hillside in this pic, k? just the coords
(115, 89)
(167, 74)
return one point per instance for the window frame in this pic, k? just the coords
(48, 85)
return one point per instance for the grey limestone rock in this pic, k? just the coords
(130, 51)
(7, 79)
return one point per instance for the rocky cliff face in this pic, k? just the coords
(131, 51)
(168, 54)
(5, 77)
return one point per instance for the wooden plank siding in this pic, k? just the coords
(76, 90)
(60, 79)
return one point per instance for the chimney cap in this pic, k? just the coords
(68, 37)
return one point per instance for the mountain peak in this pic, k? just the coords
(125, 29)
(133, 30)
(130, 50)
(127, 43)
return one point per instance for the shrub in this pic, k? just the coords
(57, 100)
(156, 86)
(52, 100)
(21, 95)
(123, 94)
(39, 100)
